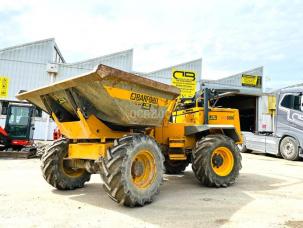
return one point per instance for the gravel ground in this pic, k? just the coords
(269, 193)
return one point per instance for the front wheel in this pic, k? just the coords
(56, 172)
(132, 171)
(289, 149)
(216, 161)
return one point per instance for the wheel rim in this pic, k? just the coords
(72, 172)
(69, 171)
(222, 161)
(143, 169)
(289, 148)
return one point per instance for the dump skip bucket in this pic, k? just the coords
(112, 95)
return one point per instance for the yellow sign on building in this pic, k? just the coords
(186, 81)
(4, 83)
(251, 80)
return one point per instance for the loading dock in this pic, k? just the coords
(248, 109)
(248, 98)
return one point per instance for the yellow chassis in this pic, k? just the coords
(90, 138)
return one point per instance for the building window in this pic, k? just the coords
(292, 102)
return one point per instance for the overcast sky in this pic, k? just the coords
(230, 36)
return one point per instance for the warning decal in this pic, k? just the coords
(4, 83)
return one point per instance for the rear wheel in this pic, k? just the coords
(132, 170)
(175, 166)
(289, 149)
(216, 161)
(57, 173)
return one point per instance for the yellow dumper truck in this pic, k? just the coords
(130, 130)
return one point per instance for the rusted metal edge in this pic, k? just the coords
(106, 71)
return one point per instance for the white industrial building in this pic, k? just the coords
(248, 99)
(40, 63)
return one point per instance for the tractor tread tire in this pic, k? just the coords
(115, 173)
(52, 170)
(201, 161)
(175, 167)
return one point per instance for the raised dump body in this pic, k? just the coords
(112, 95)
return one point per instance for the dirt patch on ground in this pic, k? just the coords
(221, 221)
(294, 224)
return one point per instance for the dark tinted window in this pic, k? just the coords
(18, 122)
(38, 112)
(19, 115)
(4, 105)
(291, 102)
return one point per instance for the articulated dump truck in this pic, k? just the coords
(131, 130)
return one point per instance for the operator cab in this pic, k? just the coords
(19, 124)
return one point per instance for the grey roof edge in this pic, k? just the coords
(102, 56)
(291, 87)
(222, 86)
(28, 44)
(59, 52)
(177, 65)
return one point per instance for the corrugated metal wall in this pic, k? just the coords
(164, 75)
(23, 76)
(36, 52)
(120, 60)
(25, 66)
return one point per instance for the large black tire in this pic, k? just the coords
(289, 149)
(203, 161)
(56, 173)
(120, 168)
(175, 166)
